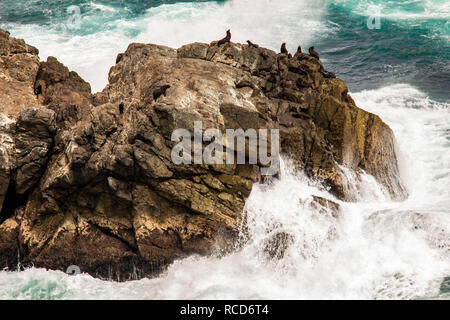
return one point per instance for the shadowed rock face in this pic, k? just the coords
(89, 181)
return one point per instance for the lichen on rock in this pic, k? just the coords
(98, 187)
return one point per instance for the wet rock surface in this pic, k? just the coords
(87, 179)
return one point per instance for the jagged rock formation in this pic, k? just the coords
(88, 179)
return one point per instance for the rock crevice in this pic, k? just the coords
(101, 189)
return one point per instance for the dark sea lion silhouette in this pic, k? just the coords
(251, 44)
(226, 39)
(314, 53)
(245, 83)
(264, 55)
(160, 91)
(302, 83)
(119, 57)
(298, 53)
(328, 74)
(283, 48)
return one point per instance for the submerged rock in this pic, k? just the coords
(97, 185)
(445, 286)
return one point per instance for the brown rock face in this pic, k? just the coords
(22, 156)
(88, 180)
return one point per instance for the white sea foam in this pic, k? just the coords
(266, 22)
(432, 15)
(376, 248)
(422, 129)
(101, 7)
(404, 10)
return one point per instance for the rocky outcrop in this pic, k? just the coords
(21, 154)
(88, 180)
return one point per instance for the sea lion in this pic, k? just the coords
(283, 49)
(314, 53)
(119, 58)
(302, 83)
(283, 64)
(298, 69)
(264, 55)
(245, 83)
(251, 44)
(273, 77)
(160, 91)
(226, 39)
(255, 73)
(299, 52)
(328, 74)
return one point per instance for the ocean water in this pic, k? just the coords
(377, 248)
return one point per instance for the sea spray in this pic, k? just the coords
(374, 247)
(106, 31)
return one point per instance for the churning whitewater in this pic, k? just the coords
(106, 30)
(373, 248)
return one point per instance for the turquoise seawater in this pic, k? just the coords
(395, 58)
(412, 44)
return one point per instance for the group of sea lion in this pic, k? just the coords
(160, 91)
(312, 52)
